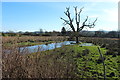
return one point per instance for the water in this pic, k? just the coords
(86, 44)
(43, 47)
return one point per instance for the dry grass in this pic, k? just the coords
(19, 65)
(8, 41)
(37, 65)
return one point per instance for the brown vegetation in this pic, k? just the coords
(8, 41)
(37, 65)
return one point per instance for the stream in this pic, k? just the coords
(44, 47)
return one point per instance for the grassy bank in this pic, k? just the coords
(28, 43)
(71, 61)
(7, 42)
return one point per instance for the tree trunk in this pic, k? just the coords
(77, 40)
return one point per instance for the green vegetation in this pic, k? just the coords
(86, 60)
(70, 61)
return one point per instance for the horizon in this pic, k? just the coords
(33, 16)
(52, 31)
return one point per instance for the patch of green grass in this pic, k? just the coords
(86, 60)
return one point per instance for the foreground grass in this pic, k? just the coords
(81, 61)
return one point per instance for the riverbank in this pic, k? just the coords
(69, 61)
(9, 42)
(85, 60)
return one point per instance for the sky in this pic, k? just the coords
(33, 16)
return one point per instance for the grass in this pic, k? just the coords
(86, 59)
(70, 61)
(7, 42)
(33, 43)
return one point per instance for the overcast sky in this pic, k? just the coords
(32, 16)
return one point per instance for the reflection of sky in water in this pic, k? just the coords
(86, 44)
(44, 47)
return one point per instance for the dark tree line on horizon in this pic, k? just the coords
(64, 32)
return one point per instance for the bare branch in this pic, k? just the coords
(66, 21)
(79, 14)
(76, 14)
(85, 20)
(94, 21)
(90, 25)
(80, 28)
(69, 23)
(67, 13)
(68, 8)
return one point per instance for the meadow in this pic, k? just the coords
(68, 61)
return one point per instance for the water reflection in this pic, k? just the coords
(44, 47)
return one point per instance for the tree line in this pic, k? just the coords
(64, 32)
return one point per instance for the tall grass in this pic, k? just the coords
(36, 65)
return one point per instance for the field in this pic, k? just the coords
(68, 61)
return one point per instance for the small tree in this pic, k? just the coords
(63, 31)
(77, 19)
(41, 30)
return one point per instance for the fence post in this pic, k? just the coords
(102, 62)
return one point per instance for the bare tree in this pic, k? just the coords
(77, 19)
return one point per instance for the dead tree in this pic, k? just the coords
(77, 19)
